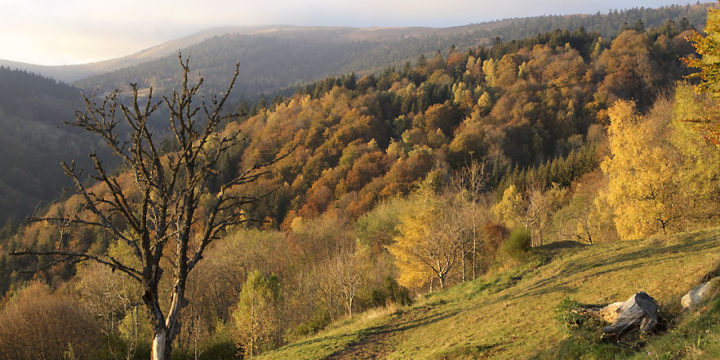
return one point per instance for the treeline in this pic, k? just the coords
(274, 62)
(611, 23)
(395, 184)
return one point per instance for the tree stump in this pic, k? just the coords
(700, 294)
(639, 311)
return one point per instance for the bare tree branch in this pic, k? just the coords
(161, 207)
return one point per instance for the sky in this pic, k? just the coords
(57, 32)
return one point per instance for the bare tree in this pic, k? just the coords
(472, 180)
(169, 203)
(346, 271)
(542, 203)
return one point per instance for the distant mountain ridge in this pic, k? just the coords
(278, 58)
(346, 49)
(72, 73)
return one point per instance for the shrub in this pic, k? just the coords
(320, 320)
(391, 292)
(518, 244)
(40, 324)
(221, 345)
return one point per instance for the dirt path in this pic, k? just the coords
(375, 343)
(379, 341)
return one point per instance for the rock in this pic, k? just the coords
(640, 310)
(700, 293)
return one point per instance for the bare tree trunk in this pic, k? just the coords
(586, 227)
(475, 235)
(160, 348)
(474, 259)
(462, 259)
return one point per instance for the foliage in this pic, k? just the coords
(518, 243)
(707, 48)
(643, 188)
(709, 65)
(392, 292)
(532, 209)
(378, 227)
(39, 324)
(563, 171)
(657, 179)
(699, 158)
(256, 317)
(428, 244)
(510, 210)
(584, 217)
(319, 321)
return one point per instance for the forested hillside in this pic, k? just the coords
(277, 59)
(274, 60)
(72, 73)
(34, 141)
(388, 185)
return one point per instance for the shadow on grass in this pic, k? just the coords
(377, 334)
(374, 341)
(482, 351)
(559, 245)
(647, 255)
(695, 245)
(314, 341)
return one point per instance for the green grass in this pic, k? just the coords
(511, 314)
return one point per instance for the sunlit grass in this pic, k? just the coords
(510, 314)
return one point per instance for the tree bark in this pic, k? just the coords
(639, 311)
(462, 259)
(161, 348)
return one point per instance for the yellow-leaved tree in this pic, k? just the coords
(510, 210)
(644, 191)
(700, 174)
(708, 48)
(662, 175)
(429, 241)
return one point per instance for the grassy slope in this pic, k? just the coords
(510, 315)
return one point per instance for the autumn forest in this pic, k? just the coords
(286, 213)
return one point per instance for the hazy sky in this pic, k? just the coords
(54, 32)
